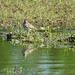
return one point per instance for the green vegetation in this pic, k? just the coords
(13, 70)
(37, 12)
(57, 20)
(40, 13)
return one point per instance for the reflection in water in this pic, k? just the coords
(55, 60)
(27, 51)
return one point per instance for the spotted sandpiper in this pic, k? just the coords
(28, 26)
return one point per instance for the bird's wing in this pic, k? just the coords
(31, 26)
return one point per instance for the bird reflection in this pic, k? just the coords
(27, 51)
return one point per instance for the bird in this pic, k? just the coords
(26, 25)
(27, 51)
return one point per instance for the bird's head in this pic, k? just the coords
(24, 21)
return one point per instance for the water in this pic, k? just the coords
(52, 60)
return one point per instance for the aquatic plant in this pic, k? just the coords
(12, 70)
(40, 13)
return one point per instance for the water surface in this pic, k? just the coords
(53, 60)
